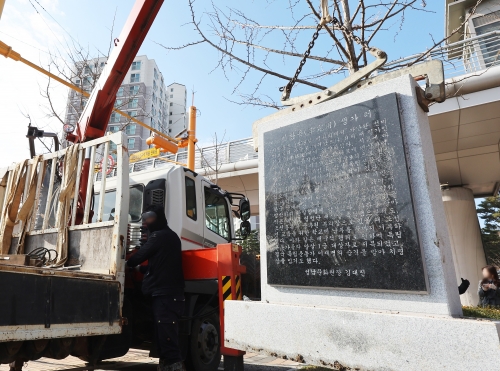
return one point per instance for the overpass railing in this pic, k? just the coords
(471, 55)
(210, 158)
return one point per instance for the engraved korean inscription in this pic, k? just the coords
(339, 209)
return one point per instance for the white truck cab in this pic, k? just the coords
(196, 209)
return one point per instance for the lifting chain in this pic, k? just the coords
(349, 33)
(287, 90)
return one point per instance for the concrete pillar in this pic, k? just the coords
(465, 238)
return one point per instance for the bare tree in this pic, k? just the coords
(213, 157)
(345, 29)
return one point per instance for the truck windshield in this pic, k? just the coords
(135, 204)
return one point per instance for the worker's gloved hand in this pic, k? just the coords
(144, 234)
(463, 286)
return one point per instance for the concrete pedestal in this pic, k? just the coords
(465, 238)
(362, 340)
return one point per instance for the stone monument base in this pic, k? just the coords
(388, 317)
(362, 340)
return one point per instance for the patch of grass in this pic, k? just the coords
(479, 312)
(336, 366)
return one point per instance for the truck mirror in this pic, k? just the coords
(244, 209)
(245, 229)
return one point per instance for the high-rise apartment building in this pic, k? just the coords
(176, 99)
(142, 95)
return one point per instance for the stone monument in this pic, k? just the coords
(357, 269)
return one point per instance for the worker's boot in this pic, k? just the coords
(161, 365)
(178, 366)
(17, 365)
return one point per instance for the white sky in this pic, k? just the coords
(20, 85)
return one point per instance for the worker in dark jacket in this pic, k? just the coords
(164, 281)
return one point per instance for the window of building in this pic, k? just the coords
(136, 66)
(134, 90)
(87, 69)
(118, 103)
(102, 64)
(155, 87)
(77, 82)
(114, 129)
(171, 95)
(216, 214)
(132, 113)
(155, 73)
(153, 123)
(170, 122)
(87, 80)
(120, 92)
(483, 24)
(171, 89)
(171, 104)
(190, 198)
(135, 77)
(131, 143)
(115, 117)
(130, 129)
(170, 113)
(154, 96)
(133, 103)
(112, 146)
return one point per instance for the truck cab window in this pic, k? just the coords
(135, 204)
(109, 206)
(217, 214)
(190, 198)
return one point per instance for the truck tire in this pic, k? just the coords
(114, 346)
(9, 350)
(204, 342)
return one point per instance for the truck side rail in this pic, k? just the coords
(77, 289)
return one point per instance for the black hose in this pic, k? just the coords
(44, 254)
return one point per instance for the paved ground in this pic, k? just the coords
(138, 360)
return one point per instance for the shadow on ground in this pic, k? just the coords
(136, 366)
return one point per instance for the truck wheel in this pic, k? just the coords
(9, 350)
(204, 342)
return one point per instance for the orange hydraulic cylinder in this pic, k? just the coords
(191, 138)
(163, 144)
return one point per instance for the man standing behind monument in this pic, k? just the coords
(164, 281)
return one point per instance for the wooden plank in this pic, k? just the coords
(14, 260)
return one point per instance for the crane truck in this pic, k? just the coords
(70, 219)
